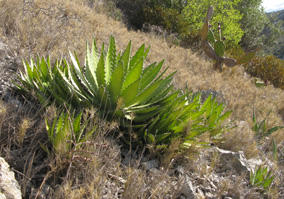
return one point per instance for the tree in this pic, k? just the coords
(254, 22)
(225, 12)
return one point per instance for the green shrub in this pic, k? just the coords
(268, 68)
(140, 99)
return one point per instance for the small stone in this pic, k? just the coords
(152, 164)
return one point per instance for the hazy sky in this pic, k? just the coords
(273, 5)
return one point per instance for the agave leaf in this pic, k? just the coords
(125, 58)
(103, 96)
(187, 111)
(150, 75)
(195, 132)
(272, 130)
(50, 130)
(78, 70)
(212, 119)
(138, 55)
(168, 99)
(70, 89)
(92, 60)
(88, 134)
(110, 60)
(151, 138)
(100, 73)
(42, 98)
(163, 89)
(162, 138)
(144, 110)
(196, 115)
(116, 82)
(163, 125)
(258, 175)
(219, 108)
(148, 68)
(207, 104)
(151, 127)
(44, 70)
(267, 182)
(130, 92)
(29, 70)
(146, 116)
(162, 96)
(224, 116)
(77, 124)
(146, 94)
(134, 74)
(72, 85)
(262, 125)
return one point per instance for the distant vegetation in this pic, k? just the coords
(246, 19)
(244, 24)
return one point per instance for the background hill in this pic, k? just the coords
(278, 48)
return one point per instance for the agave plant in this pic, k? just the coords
(118, 85)
(47, 83)
(122, 89)
(67, 130)
(261, 178)
(186, 118)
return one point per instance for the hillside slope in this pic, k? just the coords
(55, 27)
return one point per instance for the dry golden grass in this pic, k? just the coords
(52, 28)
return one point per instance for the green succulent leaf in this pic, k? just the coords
(116, 83)
(110, 60)
(134, 74)
(100, 73)
(130, 92)
(91, 63)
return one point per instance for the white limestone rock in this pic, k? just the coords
(9, 186)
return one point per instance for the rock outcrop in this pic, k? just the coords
(9, 186)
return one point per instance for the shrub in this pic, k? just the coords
(268, 68)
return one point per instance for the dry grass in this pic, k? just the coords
(52, 28)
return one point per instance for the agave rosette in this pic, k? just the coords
(118, 85)
(123, 90)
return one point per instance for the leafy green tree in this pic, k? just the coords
(255, 21)
(225, 12)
